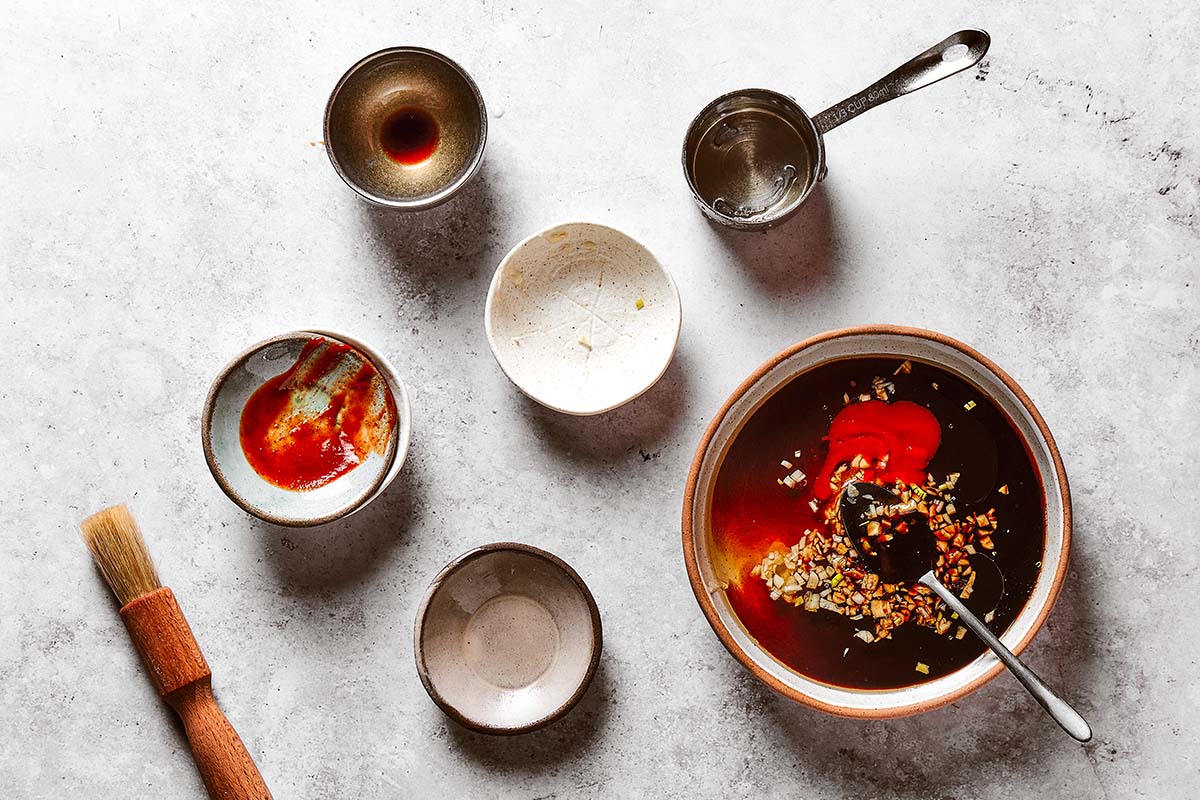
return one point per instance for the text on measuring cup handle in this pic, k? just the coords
(852, 106)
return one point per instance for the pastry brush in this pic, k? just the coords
(172, 657)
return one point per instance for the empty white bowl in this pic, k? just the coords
(507, 638)
(582, 318)
(221, 426)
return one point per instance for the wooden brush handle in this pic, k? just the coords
(179, 671)
(227, 769)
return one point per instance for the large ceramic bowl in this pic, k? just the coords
(702, 558)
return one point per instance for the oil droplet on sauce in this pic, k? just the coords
(409, 135)
(320, 419)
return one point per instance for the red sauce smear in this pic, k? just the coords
(906, 433)
(409, 135)
(314, 423)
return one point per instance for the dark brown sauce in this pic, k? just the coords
(409, 135)
(750, 512)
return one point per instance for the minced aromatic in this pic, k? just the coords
(823, 573)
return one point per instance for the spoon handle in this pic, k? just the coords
(1055, 706)
(949, 56)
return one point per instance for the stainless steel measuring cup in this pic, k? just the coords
(752, 157)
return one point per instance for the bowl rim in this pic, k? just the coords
(423, 610)
(693, 567)
(491, 338)
(446, 192)
(402, 431)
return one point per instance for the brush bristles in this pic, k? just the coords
(116, 543)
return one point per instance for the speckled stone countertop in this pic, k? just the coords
(168, 201)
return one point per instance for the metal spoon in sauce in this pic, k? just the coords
(909, 558)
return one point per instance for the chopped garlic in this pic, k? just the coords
(824, 574)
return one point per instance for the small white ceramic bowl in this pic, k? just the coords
(507, 638)
(582, 318)
(220, 435)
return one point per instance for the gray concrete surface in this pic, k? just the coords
(168, 201)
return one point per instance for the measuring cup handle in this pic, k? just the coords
(949, 56)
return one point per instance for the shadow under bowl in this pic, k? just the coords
(507, 638)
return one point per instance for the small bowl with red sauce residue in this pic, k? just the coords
(897, 407)
(406, 128)
(306, 427)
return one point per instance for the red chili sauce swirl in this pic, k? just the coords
(903, 432)
(320, 419)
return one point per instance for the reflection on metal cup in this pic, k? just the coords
(751, 158)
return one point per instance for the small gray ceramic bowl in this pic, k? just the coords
(507, 638)
(221, 425)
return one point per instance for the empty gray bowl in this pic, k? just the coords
(507, 638)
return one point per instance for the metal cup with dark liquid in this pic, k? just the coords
(752, 157)
(406, 128)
